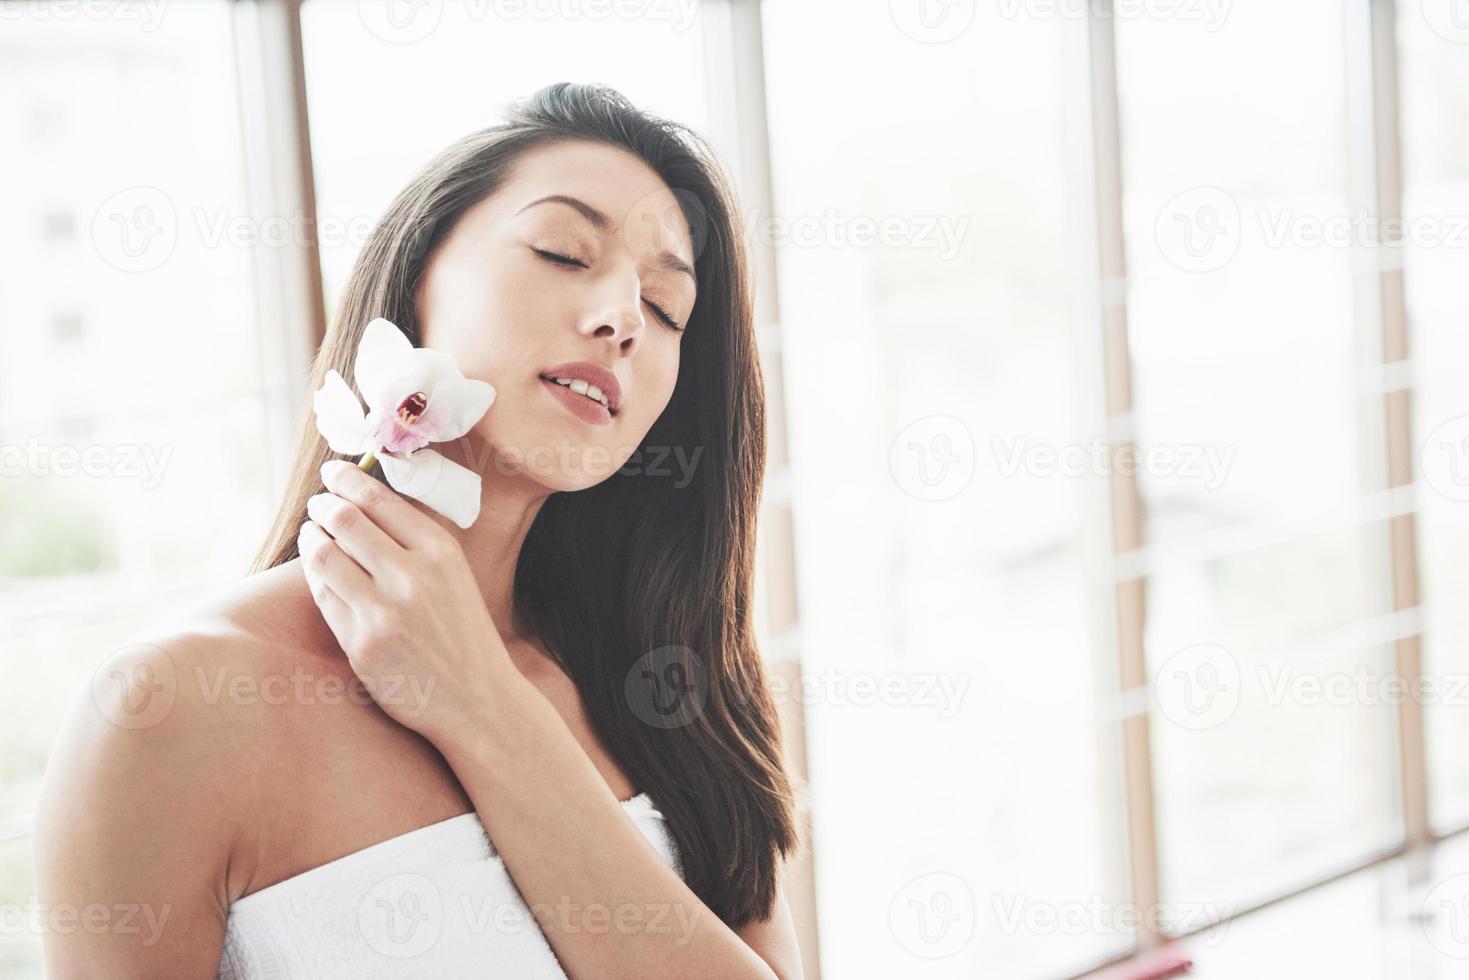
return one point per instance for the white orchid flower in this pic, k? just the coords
(414, 396)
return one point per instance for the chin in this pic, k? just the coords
(556, 459)
(560, 483)
(563, 479)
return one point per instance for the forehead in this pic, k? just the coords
(641, 209)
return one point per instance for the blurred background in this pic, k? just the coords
(1114, 604)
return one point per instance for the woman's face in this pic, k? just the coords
(524, 285)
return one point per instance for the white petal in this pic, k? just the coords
(339, 416)
(423, 369)
(391, 395)
(433, 367)
(383, 354)
(440, 483)
(464, 401)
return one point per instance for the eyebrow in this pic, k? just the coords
(602, 223)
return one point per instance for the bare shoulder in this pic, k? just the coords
(194, 684)
(146, 796)
(171, 719)
(214, 754)
(178, 725)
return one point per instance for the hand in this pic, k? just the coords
(400, 597)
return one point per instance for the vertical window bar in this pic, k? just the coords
(1383, 138)
(1126, 510)
(735, 71)
(280, 185)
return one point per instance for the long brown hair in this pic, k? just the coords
(640, 586)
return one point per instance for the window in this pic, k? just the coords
(1261, 572)
(117, 467)
(1434, 89)
(963, 778)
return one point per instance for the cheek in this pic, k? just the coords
(488, 325)
(655, 384)
(668, 375)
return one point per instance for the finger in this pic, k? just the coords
(321, 556)
(399, 519)
(354, 531)
(334, 610)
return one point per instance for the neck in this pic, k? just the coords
(509, 503)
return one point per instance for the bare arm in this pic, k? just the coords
(401, 599)
(775, 939)
(129, 851)
(573, 853)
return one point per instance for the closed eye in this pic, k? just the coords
(559, 259)
(568, 262)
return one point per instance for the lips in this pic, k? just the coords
(592, 374)
(579, 405)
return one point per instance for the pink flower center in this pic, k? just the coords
(412, 426)
(412, 407)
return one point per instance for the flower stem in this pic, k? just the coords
(365, 463)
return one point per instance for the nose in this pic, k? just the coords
(618, 315)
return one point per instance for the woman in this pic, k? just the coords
(297, 777)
